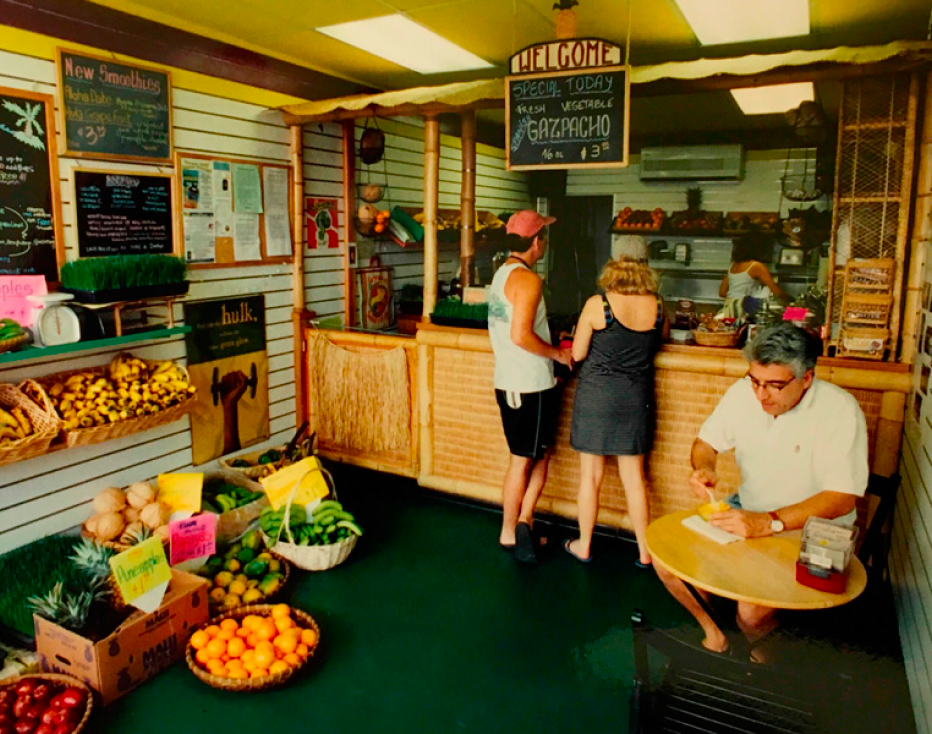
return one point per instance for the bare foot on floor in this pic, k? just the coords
(715, 643)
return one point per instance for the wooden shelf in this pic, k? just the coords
(41, 352)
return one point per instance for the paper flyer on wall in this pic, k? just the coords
(199, 246)
(197, 185)
(223, 199)
(246, 243)
(277, 223)
(247, 189)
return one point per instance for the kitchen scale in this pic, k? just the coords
(54, 323)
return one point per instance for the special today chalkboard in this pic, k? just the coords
(572, 119)
(123, 213)
(31, 240)
(114, 110)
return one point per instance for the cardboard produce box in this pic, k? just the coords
(144, 645)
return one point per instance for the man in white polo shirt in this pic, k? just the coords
(801, 445)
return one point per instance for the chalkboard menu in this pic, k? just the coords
(30, 210)
(122, 213)
(114, 110)
(574, 119)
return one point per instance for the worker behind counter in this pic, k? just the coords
(748, 276)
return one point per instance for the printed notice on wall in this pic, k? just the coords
(247, 189)
(199, 245)
(246, 244)
(277, 223)
(197, 185)
(223, 198)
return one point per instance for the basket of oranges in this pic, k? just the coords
(252, 648)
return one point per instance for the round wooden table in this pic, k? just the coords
(759, 570)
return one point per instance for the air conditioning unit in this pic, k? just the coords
(692, 162)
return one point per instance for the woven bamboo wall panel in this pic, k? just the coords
(469, 446)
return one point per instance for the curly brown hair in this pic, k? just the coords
(629, 277)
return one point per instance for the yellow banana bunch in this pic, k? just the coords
(14, 425)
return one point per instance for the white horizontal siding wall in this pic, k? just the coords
(758, 191)
(51, 493)
(401, 173)
(911, 551)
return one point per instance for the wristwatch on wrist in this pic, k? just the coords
(776, 524)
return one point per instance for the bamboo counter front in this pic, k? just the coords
(461, 448)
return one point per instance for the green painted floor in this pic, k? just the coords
(430, 627)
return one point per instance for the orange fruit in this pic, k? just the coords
(215, 648)
(224, 658)
(279, 666)
(252, 640)
(243, 633)
(259, 673)
(286, 643)
(199, 640)
(283, 623)
(212, 630)
(264, 658)
(236, 647)
(250, 621)
(229, 624)
(202, 657)
(221, 672)
(281, 610)
(248, 657)
(225, 634)
(235, 664)
(238, 674)
(303, 650)
(267, 630)
(309, 637)
(292, 659)
(214, 665)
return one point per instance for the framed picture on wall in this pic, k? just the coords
(924, 372)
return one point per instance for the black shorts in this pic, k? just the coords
(530, 428)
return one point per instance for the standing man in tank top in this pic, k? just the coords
(525, 389)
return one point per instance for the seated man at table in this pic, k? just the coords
(801, 446)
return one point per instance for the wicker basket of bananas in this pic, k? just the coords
(26, 430)
(127, 396)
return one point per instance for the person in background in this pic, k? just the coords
(747, 276)
(616, 339)
(801, 446)
(525, 389)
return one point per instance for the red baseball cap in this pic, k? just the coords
(527, 223)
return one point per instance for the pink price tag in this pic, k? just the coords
(193, 538)
(795, 313)
(14, 293)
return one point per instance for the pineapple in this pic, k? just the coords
(135, 534)
(566, 19)
(66, 609)
(52, 605)
(94, 560)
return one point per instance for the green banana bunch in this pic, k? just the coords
(9, 329)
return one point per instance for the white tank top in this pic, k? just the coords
(516, 369)
(741, 284)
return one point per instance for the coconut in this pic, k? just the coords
(130, 514)
(140, 494)
(90, 525)
(154, 515)
(111, 499)
(109, 526)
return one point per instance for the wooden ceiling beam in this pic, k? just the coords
(404, 110)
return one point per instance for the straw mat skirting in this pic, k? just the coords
(364, 396)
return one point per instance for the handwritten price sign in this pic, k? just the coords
(194, 538)
(141, 569)
(14, 292)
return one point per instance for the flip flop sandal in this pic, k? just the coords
(566, 547)
(524, 544)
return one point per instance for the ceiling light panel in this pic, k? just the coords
(406, 43)
(734, 21)
(777, 98)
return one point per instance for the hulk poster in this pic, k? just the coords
(228, 362)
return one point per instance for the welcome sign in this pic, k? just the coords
(567, 107)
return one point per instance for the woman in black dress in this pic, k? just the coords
(616, 339)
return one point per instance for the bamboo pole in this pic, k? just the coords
(902, 233)
(297, 224)
(349, 209)
(919, 240)
(431, 196)
(889, 434)
(425, 411)
(468, 198)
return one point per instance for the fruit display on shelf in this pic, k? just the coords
(328, 524)
(736, 223)
(638, 220)
(43, 704)
(129, 388)
(266, 642)
(12, 335)
(14, 425)
(243, 573)
(221, 496)
(127, 517)
(702, 222)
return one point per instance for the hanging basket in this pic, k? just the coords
(800, 187)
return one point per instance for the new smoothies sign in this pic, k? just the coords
(567, 106)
